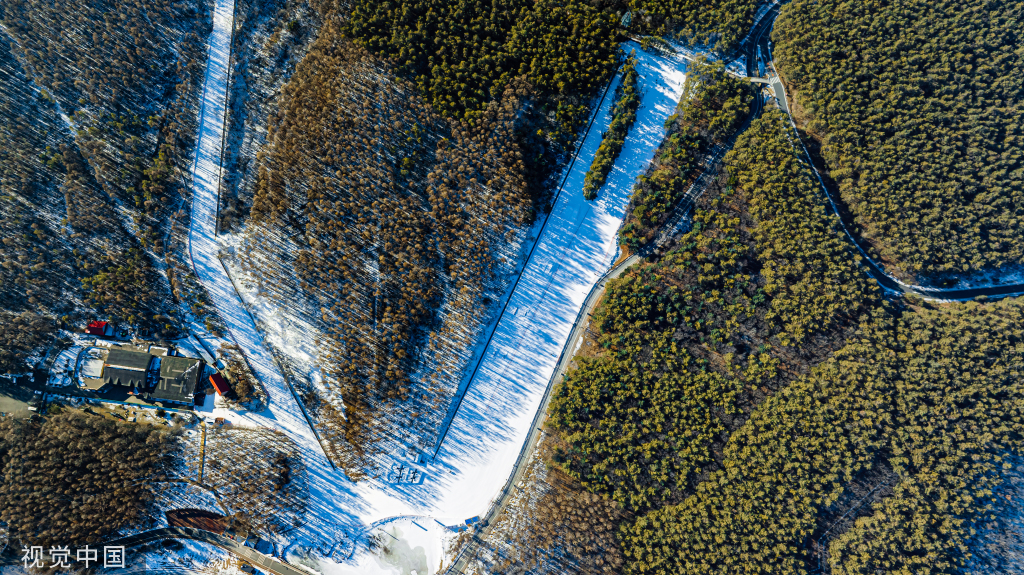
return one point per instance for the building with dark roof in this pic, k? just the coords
(123, 377)
(178, 379)
(127, 359)
(219, 384)
(126, 368)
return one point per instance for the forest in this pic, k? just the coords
(720, 24)
(397, 213)
(760, 289)
(713, 106)
(623, 112)
(97, 119)
(913, 106)
(75, 479)
(553, 526)
(26, 332)
(920, 391)
(754, 406)
(61, 231)
(125, 74)
(462, 54)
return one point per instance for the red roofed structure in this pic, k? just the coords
(100, 328)
(219, 384)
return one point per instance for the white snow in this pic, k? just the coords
(576, 247)
(184, 495)
(64, 367)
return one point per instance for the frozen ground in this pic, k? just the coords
(488, 429)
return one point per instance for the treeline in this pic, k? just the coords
(761, 289)
(921, 391)
(911, 105)
(462, 54)
(73, 479)
(713, 106)
(721, 24)
(627, 102)
(393, 212)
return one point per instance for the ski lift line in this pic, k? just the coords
(455, 407)
(220, 174)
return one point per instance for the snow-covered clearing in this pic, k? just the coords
(576, 247)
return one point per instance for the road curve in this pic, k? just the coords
(886, 280)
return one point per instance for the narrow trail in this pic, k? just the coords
(331, 502)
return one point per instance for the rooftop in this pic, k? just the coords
(126, 359)
(178, 379)
(124, 377)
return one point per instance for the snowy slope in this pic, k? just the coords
(332, 504)
(576, 247)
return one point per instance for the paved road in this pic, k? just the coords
(887, 281)
(257, 559)
(579, 329)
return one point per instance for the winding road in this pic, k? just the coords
(874, 268)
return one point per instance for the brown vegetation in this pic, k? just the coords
(74, 479)
(395, 213)
(257, 473)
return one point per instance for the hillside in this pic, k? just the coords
(906, 406)
(98, 103)
(62, 233)
(748, 402)
(126, 75)
(691, 343)
(394, 294)
(916, 107)
(713, 106)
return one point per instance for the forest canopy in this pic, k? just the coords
(75, 479)
(917, 107)
(463, 53)
(761, 288)
(909, 403)
(721, 24)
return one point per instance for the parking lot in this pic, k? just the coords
(14, 396)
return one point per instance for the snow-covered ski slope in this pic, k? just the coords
(575, 248)
(334, 508)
